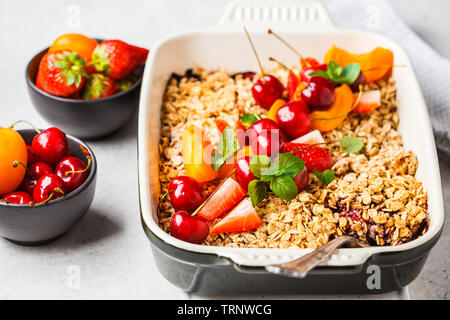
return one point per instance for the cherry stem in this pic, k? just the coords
(16, 163)
(27, 122)
(282, 65)
(43, 202)
(344, 115)
(81, 171)
(285, 42)
(212, 193)
(256, 54)
(161, 200)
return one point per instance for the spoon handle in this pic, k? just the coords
(300, 267)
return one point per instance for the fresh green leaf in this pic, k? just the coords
(345, 75)
(350, 72)
(257, 190)
(288, 164)
(267, 177)
(326, 176)
(321, 73)
(249, 118)
(284, 187)
(351, 144)
(228, 145)
(259, 164)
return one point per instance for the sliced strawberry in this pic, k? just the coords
(221, 124)
(292, 84)
(242, 218)
(223, 199)
(312, 137)
(315, 157)
(370, 100)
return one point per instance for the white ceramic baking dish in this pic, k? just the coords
(308, 28)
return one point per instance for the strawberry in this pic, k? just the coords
(117, 58)
(125, 83)
(61, 73)
(225, 197)
(98, 86)
(242, 218)
(315, 157)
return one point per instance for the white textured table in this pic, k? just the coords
(108, 248)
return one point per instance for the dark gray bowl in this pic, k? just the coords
(27, 225)
(86, 119)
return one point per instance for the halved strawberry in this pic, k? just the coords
(225, 197)
(312, 137)
(315, 157)
(369, 101)
(242, 218)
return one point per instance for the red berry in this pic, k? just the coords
(360, 80)
(28, 184)
(50, 145)
(32, 156)
(265, 137)
(46, 186)
(266, 90)
(243, 173)
(319, 93)
(315, 157)
(293, 119)
(98, 86)
(305, 75)
(39, 169)
(18, 197)
(187, 193)
(188, 228)
(302, 180)
(65, 170)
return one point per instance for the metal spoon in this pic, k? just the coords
(300, 267)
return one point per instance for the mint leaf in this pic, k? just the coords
(326, 177)
(249, 118)
(321, 73)
(257, 190)
(349, 73)
(336, 74)
(259, 164)
(289, 164)
(228, 145)
(351, 144)
(284, 187)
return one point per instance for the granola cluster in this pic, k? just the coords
(374, 197)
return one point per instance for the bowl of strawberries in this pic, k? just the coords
(88, 87)
(47, 184)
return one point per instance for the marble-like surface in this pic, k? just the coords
(108, 249)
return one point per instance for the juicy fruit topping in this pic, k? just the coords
(243, 173)
(272, 113)
(72, 171)
(40, 169)
(319, 93)
(360, 81)
(267, 90)
(61, 73)
(12, 149)
(227, 168)
(305, 75)
(369, 101)
(50, 145)
(313, 137)
(186, 193)
(375, 65)
(314, 157)
(32, 157)
(293, 119)
(242, 218)
(196, 151)
(265, 137)
(18, 197)
(330, 119)
(302, 180)
(48, 187)
(98, 86)
(225, 197)
(188, 228)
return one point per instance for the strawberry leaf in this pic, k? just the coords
(257, 190)
(325, 177)
(351, 144)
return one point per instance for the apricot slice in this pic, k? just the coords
(375, 65)
(272, 114)
(330, 119)
(196, 151)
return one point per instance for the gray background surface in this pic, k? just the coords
(108, 247)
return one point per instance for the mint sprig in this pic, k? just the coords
(257, 190)
(249, 118)
(228, 145)
(351, 144)
(337, 74)
(326, 176)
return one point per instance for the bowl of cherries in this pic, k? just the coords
(47, 184)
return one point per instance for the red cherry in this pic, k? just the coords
(187, 193)
(48, 187)
(28, 184)
(189, 228)
(266, 90)
(18, 197)
(72, 171)
(319, 93)
(302, 180)
(50, 145)
(243, 173)
(39, 169)
(265, 137)
(305, 75)
(293, 119)
(360, 80)
(32, 156)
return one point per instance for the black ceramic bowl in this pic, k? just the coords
(27, 225)
(86, 119)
